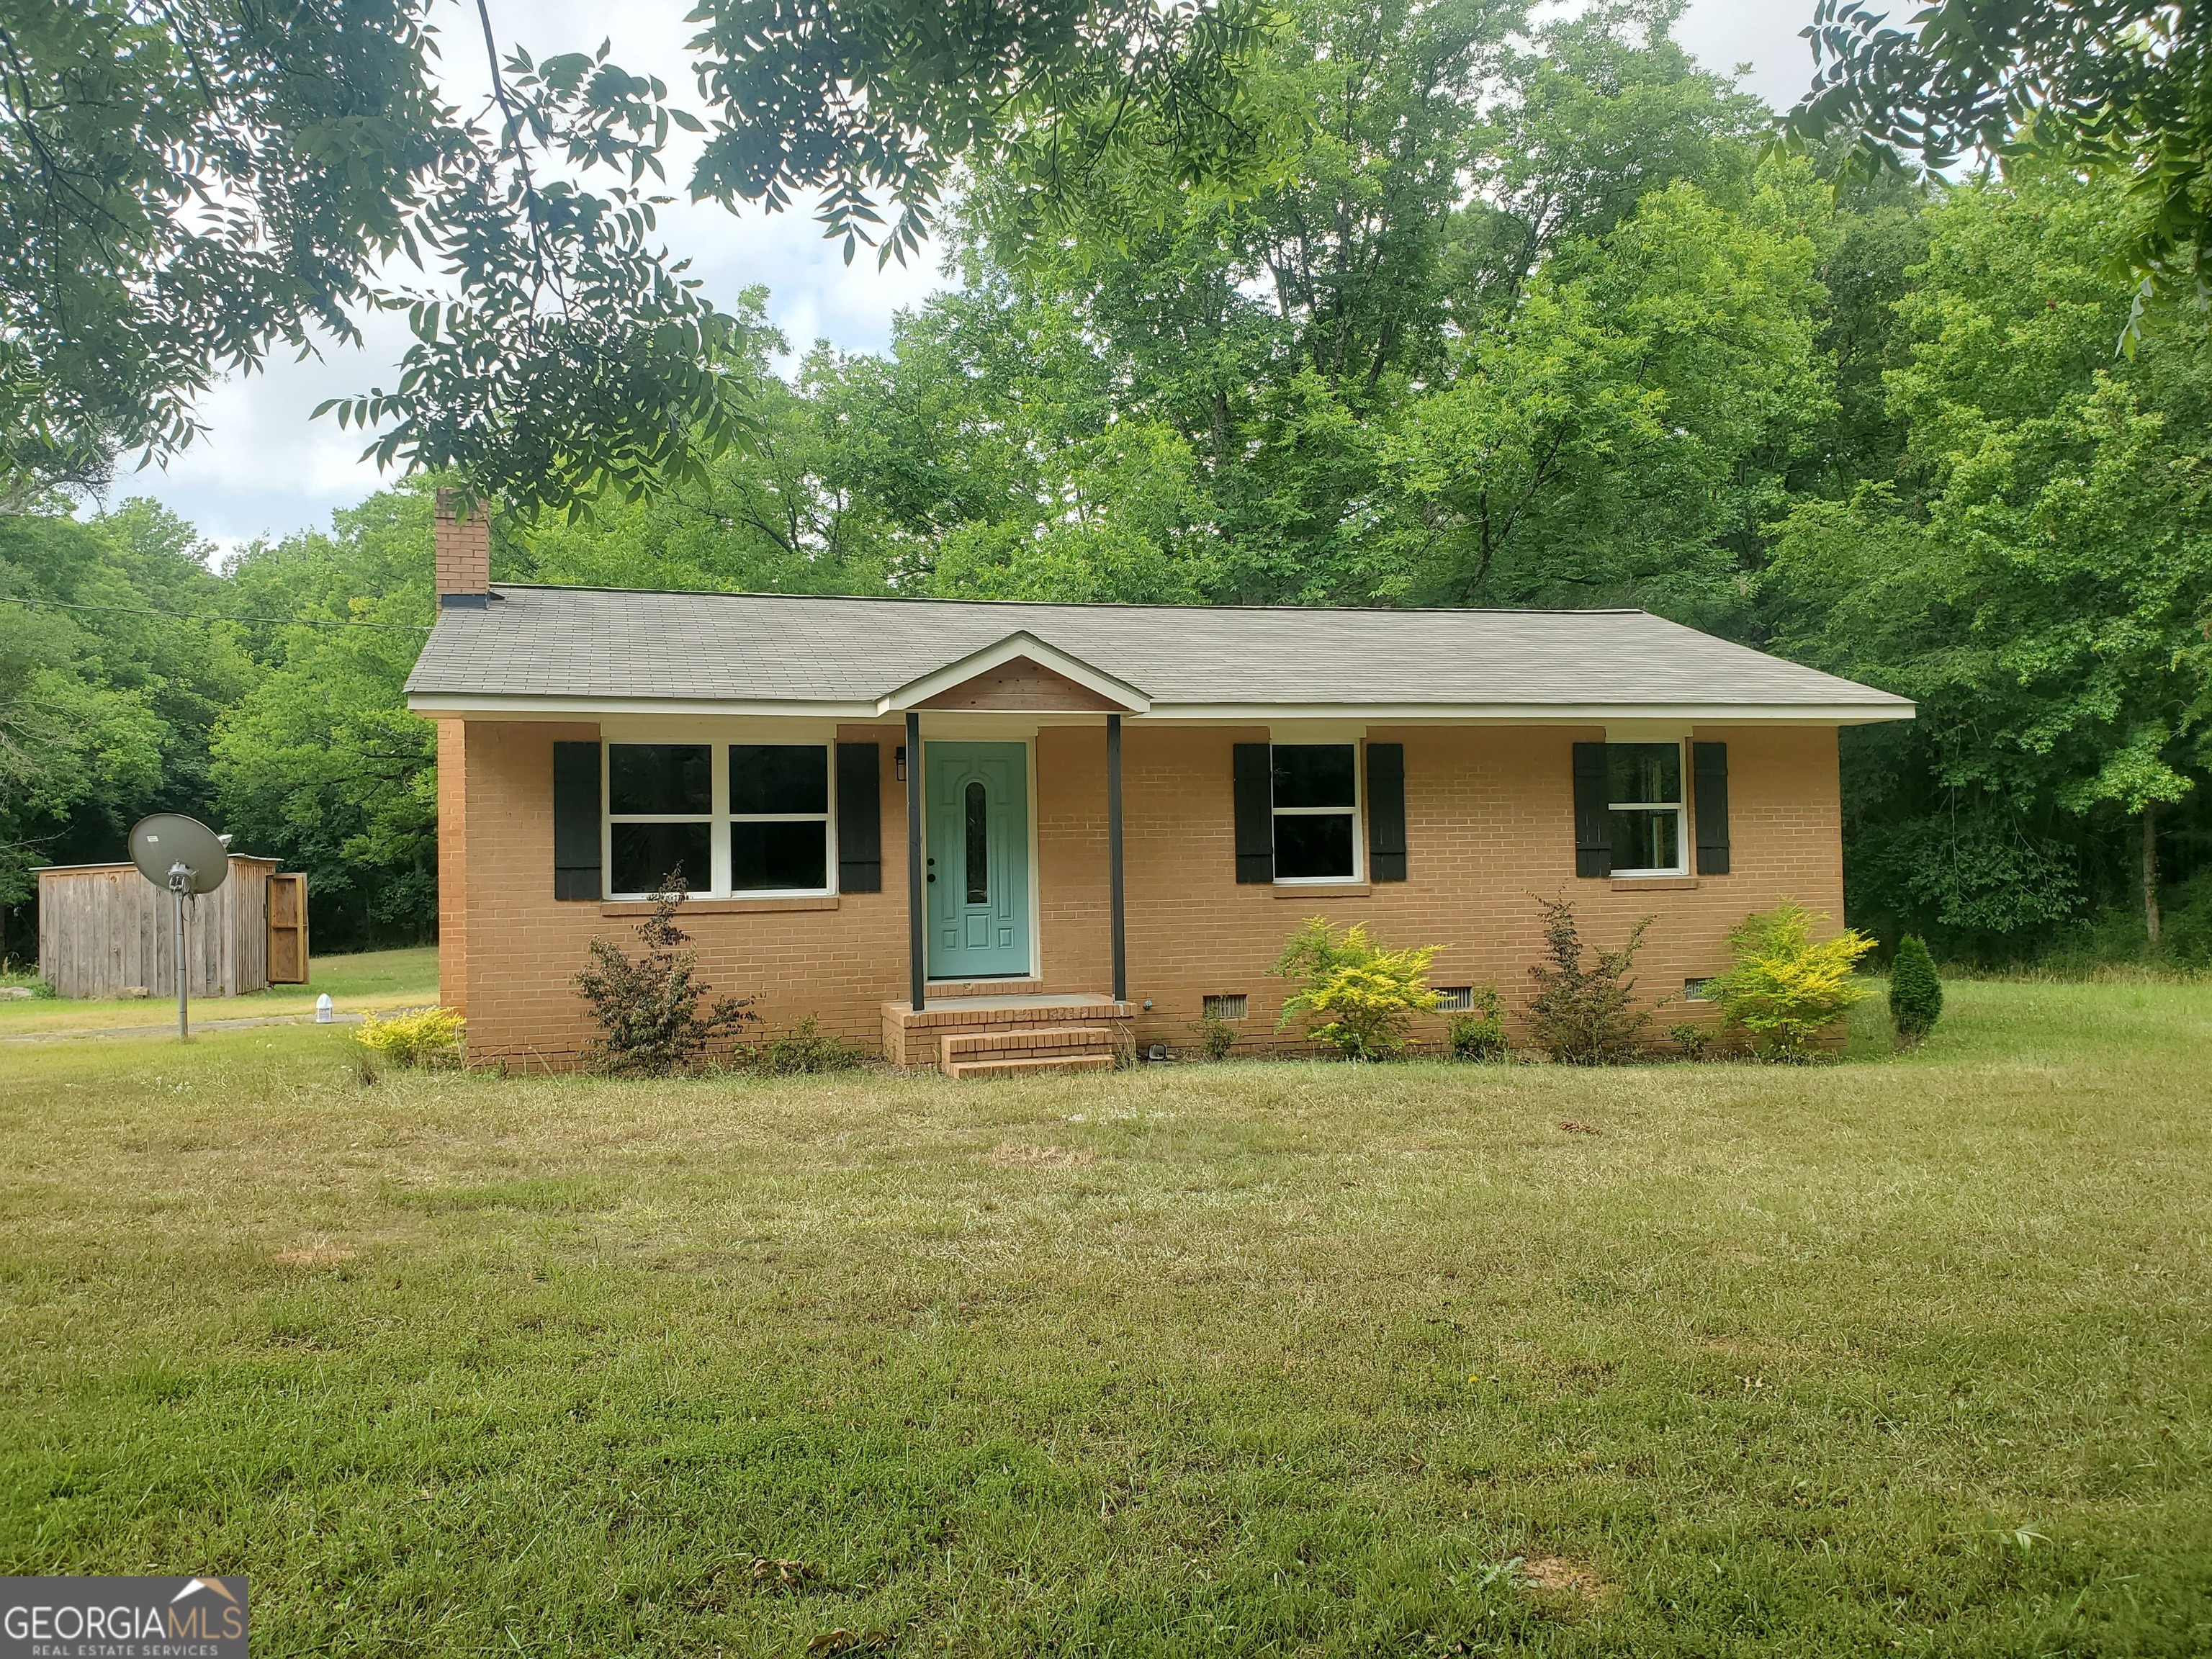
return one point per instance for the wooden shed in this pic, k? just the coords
(105, 931)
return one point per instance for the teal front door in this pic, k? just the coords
(979, 859)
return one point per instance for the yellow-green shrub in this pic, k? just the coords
(432, 1038)
(1360, 999)
(1783, 990)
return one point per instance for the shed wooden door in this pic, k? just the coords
(287, 930)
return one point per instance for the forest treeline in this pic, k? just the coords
(1513, 320)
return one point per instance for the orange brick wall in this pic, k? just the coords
(453, 864)
(1490, 824)
(461, 542)
(1489, 827)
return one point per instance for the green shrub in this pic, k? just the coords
(805, 1051)
(648, 1013)
(1916, 994)
(1583, 1012)
(1479, 1033)
(429, 1039)
(1691, 1040)
(1215, 1036)
(1783, 990)
(1360, 999)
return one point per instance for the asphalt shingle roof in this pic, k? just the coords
(622, 647)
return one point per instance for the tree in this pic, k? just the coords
(1627, 433)
(105, 705)
(785, 513)
(320, 762)
(1150, 393)
(2045, 596)
(2120, 85)
(190, 185)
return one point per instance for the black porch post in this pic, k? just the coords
(1113, 856)
(917, 969)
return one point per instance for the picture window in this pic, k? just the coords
(747, 818)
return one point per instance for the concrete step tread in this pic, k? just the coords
(1028, 1068)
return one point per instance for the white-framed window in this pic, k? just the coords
(1316, 811)
(660, 816)
(780, 818)
(1649, 821)
(735, 819)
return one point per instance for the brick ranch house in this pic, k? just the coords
(1000, 836)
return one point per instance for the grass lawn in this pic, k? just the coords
(368, 980)
(1907, 1356)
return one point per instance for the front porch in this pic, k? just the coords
(1009, 1035)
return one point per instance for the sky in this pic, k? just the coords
(264, 468)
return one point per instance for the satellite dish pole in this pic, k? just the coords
(188, 859)
(180, 888)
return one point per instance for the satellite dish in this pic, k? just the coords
(184, 858)
(179, 854)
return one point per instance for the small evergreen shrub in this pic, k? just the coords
(1359, 998)
(429, 1039)
(805, 1051)
(1691, 1040)
(1783, 990)
(1479, 1033)
(650, 1020)
(1916, 994)
(1215, 1036)
(1583, 1012)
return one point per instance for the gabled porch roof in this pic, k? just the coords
(1019, 648)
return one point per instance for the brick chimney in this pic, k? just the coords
(464, 545)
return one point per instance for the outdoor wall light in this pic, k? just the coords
(898, 759)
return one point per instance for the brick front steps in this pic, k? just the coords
(1008, 1036)
(975, 1069)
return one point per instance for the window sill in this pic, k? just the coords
(1296, 889)
(1653, 884)
(725, 907)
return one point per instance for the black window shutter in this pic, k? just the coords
(1255, 813)
(1593, 812)
(576, 821)
(859, 818)
(1386, 812)
(1710, 766)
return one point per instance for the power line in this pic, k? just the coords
(188, 616)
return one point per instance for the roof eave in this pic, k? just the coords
(494, 705)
